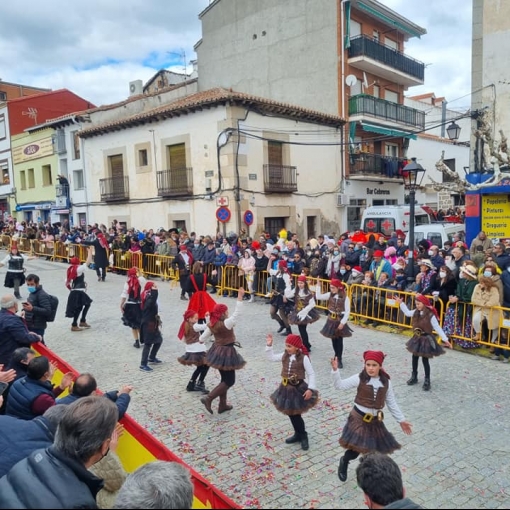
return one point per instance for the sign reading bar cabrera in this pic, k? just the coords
(495, 214)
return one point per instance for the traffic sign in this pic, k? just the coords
(222, 201)
(248, 217)
(223, 214)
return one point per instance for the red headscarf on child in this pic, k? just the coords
(425, 300)
(217, 312)
(295, 340)
(133, 282)
(378, 357)
(72, 271)
(146, 292)
(187, 316)
(102, 241)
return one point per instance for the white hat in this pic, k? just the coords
(426, 262)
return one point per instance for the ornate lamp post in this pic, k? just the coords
(412, 174)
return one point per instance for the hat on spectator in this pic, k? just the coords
(183, 247)
(378, 253)
(469, 270)
(426, 262)
(357, 269)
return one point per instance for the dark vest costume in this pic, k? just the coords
(365, 395)
(222, 335)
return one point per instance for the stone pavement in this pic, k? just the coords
(458, 455)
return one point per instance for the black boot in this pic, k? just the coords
(340, 364)
(137, 344)
(200, 386)
(413, 380)
(342, 469)
(190, 386)
(296, 438)
(304, 441)
(287, 332)
(282, 325)
(426, 384)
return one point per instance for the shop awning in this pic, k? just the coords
(372, 128)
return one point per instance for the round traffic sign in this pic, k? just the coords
(248, 217)
(223, 214)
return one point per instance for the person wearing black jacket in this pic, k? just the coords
(101, 254)
(37, 308)
(59, 476)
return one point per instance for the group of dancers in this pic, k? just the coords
(365, 430)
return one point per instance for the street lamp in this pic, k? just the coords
(412, 174)
(453, 131)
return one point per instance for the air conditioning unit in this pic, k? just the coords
(135, 87)
(342, 200)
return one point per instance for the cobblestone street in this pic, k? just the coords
(458, 455)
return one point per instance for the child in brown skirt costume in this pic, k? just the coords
(365, 430)
(223, 355)
(294, 396)
(423, 343)
(189, 333)
(339, 309)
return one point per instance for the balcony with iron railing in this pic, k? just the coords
(365, 105)
(368, 164)
(280, 179)
(177, 182)
(62, 190)
(370, 55)
(114, 189)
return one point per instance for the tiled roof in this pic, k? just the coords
(211, 98)
(67, 117)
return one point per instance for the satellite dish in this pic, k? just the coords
(351, 80)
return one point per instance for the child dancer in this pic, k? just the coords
(423, 343)
(130, 303)
(365, 430)
(223, 355)
(339, 309)
(294, 396)
(304, 311)
(189, 332)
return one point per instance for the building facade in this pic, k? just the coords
(215, 161)
(488, 208)
(10, 90)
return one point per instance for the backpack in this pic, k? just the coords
(54, 306)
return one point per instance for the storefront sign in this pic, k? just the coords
(33, 150)
(378, 191)
(495, 214)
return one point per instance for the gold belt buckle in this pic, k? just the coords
(380, 416)
(293, 379)
(367, 418)
(418, 331)
(285, 381)
(333, 315)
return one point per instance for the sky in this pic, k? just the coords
(96, 47)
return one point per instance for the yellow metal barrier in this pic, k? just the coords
(374, 304)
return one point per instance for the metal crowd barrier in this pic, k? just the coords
(368, 304)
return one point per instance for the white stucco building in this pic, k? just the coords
(176, 165)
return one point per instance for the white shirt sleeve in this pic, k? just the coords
(309, 306)
(124, 294)
(81, 269)
(5, 260)
(310, 374)
(347, 310)
(438, 329)
(319, 295)
(207, 333)
(230, 322)
(289, 293)
(392, 405)
(344, 384)
(271, 356)
(199, 327)
(405, 310)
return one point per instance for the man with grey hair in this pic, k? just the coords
(158, 484)
(13, 330)
(59, 476)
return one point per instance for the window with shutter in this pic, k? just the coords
(275, 161)
(117, 173)
(178, 171)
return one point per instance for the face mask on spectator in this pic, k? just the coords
(487, 274)
(442, 274)
(342, 271)
(335, 252)
(431, 253)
